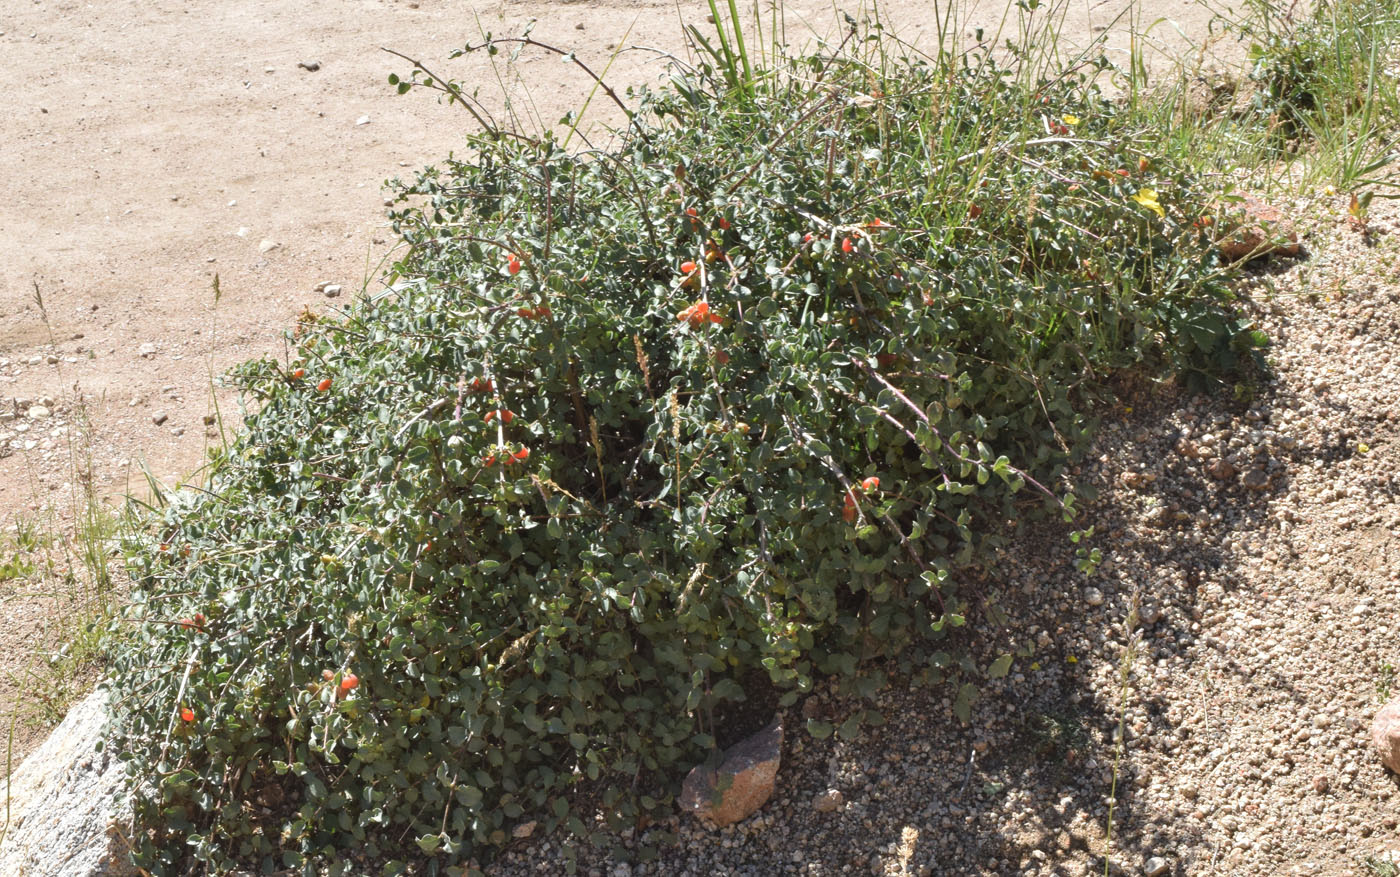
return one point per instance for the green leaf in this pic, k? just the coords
(1000, 667)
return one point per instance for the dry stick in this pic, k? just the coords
(919, 412)
(528, 41)
(777, 141)
(902, 428)
(485, 122)
(804, 437)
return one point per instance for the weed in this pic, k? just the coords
(1385, 679)
(1379, 867)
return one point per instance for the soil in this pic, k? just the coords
(151, 147)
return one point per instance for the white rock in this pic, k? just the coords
(61, 803)
(38, 412)
(268, 246)
(1093, 596)
(524, 829)
(1155, 866)
(332, 290)
(146, 350)
(362, 120)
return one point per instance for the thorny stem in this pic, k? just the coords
(919, 412)
(529, 41)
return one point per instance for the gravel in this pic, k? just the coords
(1243, 633)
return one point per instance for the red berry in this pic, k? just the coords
(298, 374)
(848, 246)
(871, 483)
(349, 682)
(691, 212)
(513, 264)
(187, 623)
(687, 267)
(526, 313)
(187, 714)
(807, 238)
(324, 385)
(522, 454)
(724, 223)
(974, 211)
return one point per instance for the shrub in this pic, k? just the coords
(752, 396)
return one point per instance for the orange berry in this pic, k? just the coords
(481, 385)
(1143, 165)
(522, 454)
(687, 267)
(324, 385)
(187, 623)
(848, 246)
(489, 461)
(349, 682)
(298, 374)
(807, 238)
(691, 212)
(187, 714)
(513, 264)
(871, 483)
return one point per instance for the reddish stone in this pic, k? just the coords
(1385, 735)
(741, 784)
(1256, 229)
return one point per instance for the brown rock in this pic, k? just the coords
(1220, 470)
(1385, 735)
(1137, 480)
(1256, 479)
(741, 784)
(829, 801)
(1253, 229)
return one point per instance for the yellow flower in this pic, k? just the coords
(1035, 665)
(1071, 120)
(1363, 447)
(1148, 198)
(1071, 660)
